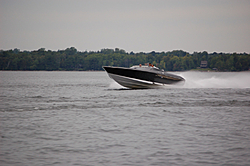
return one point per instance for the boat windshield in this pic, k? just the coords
(145, 67)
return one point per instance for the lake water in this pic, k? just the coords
(85, 118)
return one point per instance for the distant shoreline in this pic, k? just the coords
(72, 60)
(192, 70)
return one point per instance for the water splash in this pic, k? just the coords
(216, 79)
(115, 85)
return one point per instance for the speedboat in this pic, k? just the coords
(142, 76)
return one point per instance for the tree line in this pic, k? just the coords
(72, 59)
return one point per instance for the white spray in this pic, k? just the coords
(216, 79)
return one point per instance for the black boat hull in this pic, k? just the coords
(133, 83)
(138, 79)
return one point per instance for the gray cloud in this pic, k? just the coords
(133, 25)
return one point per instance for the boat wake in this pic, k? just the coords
(216, 79)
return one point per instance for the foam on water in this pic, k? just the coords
(216, 80)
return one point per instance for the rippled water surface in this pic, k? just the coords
(85, 118)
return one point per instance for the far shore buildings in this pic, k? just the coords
(203, 64)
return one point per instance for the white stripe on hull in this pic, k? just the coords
(133, 83)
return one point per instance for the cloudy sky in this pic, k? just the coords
(132, 25)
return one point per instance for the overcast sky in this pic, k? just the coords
(132, 25)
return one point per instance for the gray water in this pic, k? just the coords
(85, 118)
